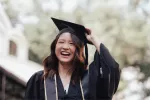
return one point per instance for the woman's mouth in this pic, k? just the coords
(66, 54)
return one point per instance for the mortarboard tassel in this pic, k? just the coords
(86, 53)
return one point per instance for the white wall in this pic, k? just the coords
(7, 33)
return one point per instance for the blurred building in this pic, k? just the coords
(15, 68)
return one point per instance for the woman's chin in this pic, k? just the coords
(66, 61)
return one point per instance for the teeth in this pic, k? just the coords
(65, 53)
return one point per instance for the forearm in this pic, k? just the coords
(96, 42)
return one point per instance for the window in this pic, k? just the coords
(12, 48)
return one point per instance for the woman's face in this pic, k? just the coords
(65, 48)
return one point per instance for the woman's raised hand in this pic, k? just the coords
(93, 39)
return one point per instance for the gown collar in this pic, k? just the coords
(50, 87)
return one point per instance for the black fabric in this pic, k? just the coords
(77, 29)
(104, 75)
(86, 54)
(35, 87)
(74, 91)
(100, 83)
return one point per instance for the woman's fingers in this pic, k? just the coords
(88, 31)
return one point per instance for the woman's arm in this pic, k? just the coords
(33, 87)
(95, 41)
(104, 72)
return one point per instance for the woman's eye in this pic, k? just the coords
(60, 42)
(72, 43)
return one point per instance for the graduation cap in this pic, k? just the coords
(79, 31)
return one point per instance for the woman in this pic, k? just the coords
(65, 75)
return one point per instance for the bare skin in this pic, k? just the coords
(63, 73)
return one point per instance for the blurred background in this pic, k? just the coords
(26, 32)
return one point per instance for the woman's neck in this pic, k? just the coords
(65, 73)
(64, 69)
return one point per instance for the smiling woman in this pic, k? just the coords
(65, 75)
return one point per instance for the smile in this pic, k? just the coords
(65, 53)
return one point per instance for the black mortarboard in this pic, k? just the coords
(79, 31)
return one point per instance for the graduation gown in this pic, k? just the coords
(100, 82)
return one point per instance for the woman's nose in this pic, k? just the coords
(66, 46)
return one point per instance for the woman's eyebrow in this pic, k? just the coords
(64, 40)
(61, 39)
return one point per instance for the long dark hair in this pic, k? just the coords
(51, 62)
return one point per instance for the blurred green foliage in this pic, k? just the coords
(124, 31)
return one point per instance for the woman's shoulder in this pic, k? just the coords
(37, 76)
(33, 85)
(85, 72)
(38, 73)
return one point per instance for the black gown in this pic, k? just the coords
(100, 82)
